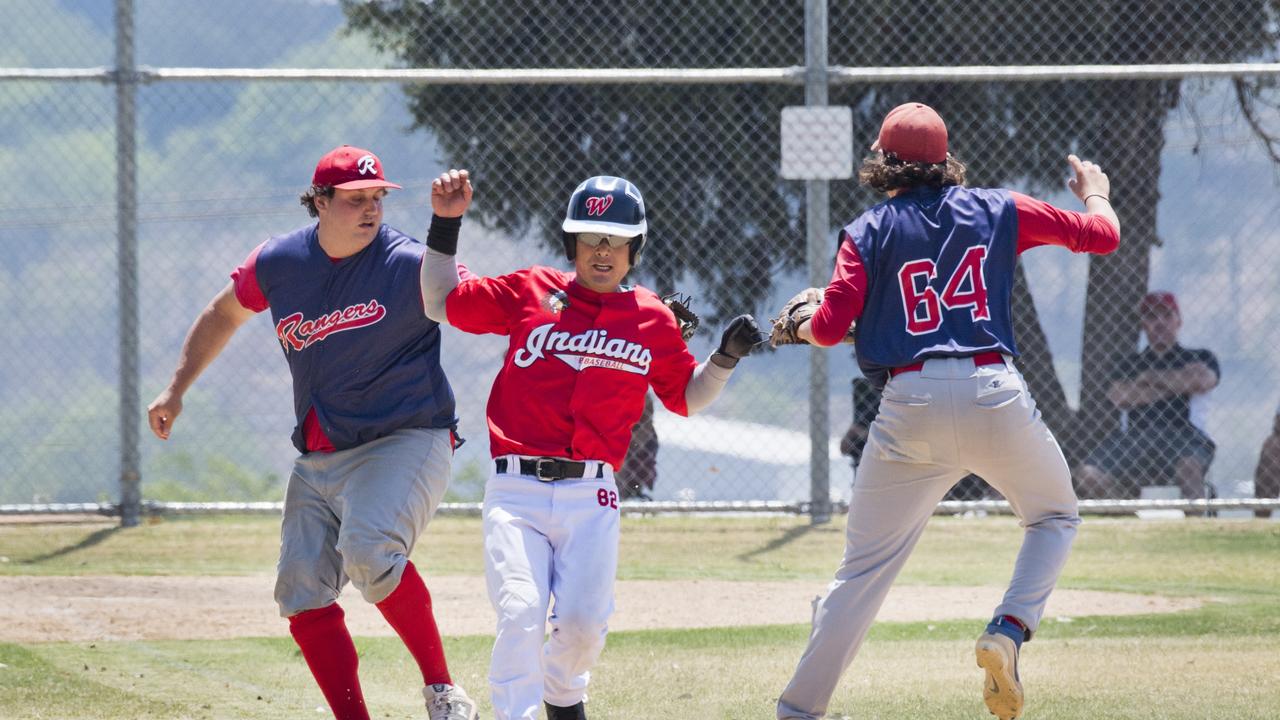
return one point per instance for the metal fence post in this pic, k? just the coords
(817, 219)
(126, 80)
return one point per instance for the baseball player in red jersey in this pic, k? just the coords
(375, 418)
(584, 349)
(927, 275)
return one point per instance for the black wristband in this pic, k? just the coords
(442, 236)
(724, 360)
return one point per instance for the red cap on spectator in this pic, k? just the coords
(914, 132)
(1157, 300)
(350, 168)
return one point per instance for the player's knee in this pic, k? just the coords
(1064, 521)
(519, 604)
(372, 569)
(302, 586)
(580, 628)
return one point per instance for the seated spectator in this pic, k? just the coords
(1266, 478)
(1162, 393)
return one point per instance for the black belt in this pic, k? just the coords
(549, 469)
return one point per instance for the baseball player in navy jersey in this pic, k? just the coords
(375, 419)
(584, 349)
(927, 276)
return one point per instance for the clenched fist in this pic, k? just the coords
(451, 193)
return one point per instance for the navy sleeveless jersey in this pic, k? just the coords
(359, 346)
(939, 267)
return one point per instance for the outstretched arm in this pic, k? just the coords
(709, 378)
(1096, 230)
(205, 341)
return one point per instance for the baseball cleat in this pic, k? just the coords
(1002, 690)
(449, 702)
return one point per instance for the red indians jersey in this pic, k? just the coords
(578, 365)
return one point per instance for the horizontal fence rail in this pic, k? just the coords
(837, 74)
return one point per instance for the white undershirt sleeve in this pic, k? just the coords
(439, 277)
(705, 385)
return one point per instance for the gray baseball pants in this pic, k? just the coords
(935, 426)
(356, 514)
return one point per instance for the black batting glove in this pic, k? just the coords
(741, 335)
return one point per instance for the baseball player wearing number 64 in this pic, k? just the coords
(583, 351)
(927, 275)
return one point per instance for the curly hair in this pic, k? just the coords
(886, 172)
(308, 198)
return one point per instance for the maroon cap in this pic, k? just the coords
(1159, 300)
(914, 132)
(350, 168)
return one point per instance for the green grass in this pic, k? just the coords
(904, 671)
(1174, 557)
(226, 545)
(1217, 661)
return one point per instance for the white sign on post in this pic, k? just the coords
(817, 142)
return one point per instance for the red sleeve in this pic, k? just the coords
(1040, 223)
(245, 278)
(482, 304)
(673, 365)
(844, 297)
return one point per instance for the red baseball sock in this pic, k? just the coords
(326, 645)
(408, 611)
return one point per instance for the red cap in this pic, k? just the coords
(350, 168)
(914, 132)
(1159, 300)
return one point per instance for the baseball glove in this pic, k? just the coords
(687, 319)
(797, 310)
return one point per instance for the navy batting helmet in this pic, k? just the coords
(606, 204)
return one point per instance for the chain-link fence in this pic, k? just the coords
(220, 161)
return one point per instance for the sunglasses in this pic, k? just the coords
(594, 239)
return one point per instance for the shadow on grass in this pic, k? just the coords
(89, 541)
(781, 541)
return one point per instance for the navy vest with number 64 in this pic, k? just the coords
(940, 274)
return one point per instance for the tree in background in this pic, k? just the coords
(706, 156)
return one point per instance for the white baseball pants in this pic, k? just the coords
(545, 540)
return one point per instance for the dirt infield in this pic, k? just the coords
(90, 608)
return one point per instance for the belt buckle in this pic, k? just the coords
(538, 466)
